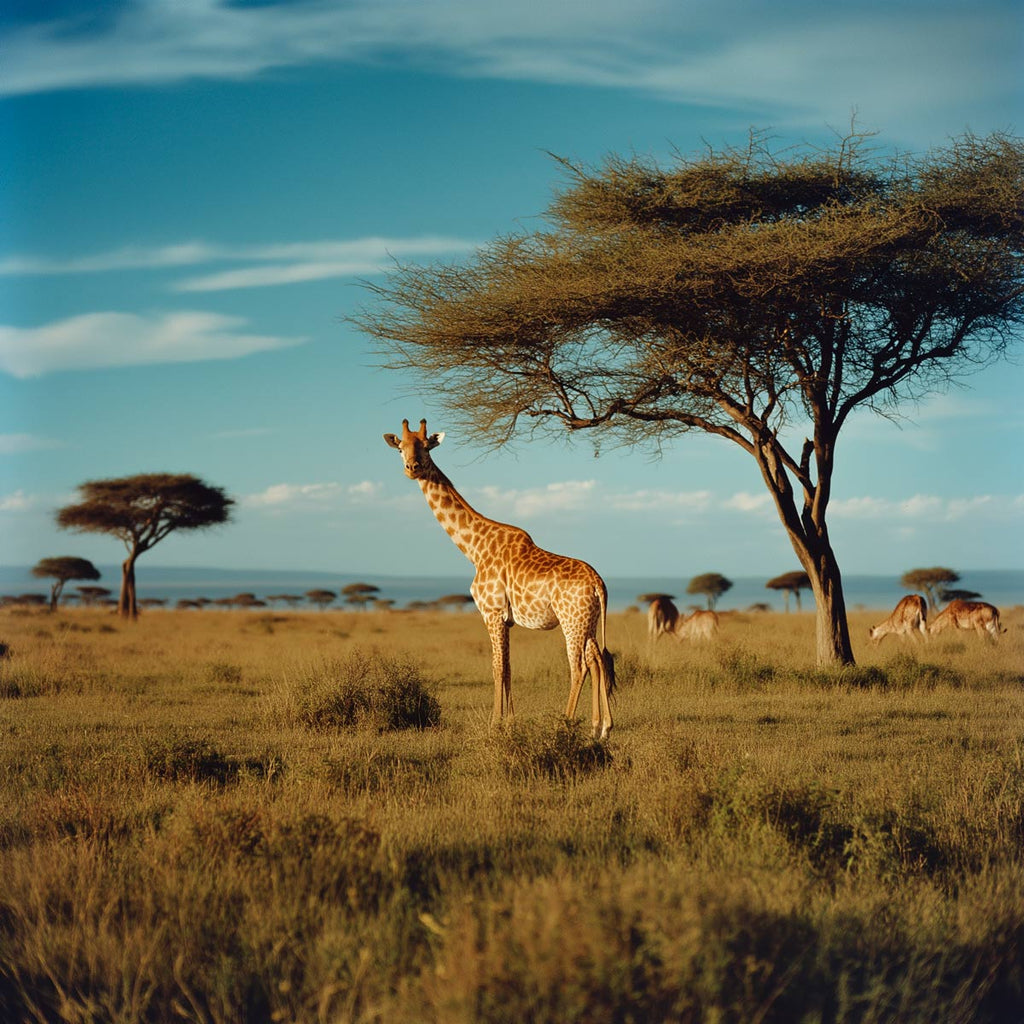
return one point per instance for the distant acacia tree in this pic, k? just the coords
(142, 510)
(321, 598)
(359, 594)
(928, 582)
(62, 569)
(93, 595)
(790, 583)
(761, 295)
(456, 601)
(711, 584)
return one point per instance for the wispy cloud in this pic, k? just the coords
(330, 494)
(814, 60)
(928, 508)
(253, 266)
(531, 501)
(19, 501)
(95, 340)
(744, 502)
(17, 444)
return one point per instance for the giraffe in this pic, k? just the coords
(517, 582)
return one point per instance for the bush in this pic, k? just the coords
(368, 690)
(560, 752)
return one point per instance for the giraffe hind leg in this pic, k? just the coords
(602, 675)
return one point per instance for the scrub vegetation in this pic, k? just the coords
(305, 817)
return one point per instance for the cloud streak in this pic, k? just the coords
(255, 266)
(325, 495)
(18, 444)
(813, 60)
(94, 341)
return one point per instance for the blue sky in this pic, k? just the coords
(192, 192)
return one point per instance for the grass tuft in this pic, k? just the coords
(558, 751)
(366, 689)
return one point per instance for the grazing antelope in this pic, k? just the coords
(662, 616)
(908, 618)
(518, 582)
(977, 615)
(698, 626)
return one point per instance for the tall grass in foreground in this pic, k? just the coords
(242, 817)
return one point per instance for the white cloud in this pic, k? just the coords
(19, 501)
(921, 506)
(661, 501)
(318, 495)
(860, 508)
(261, 265)
(16, 444)
(292, 494)
(928, 508)
(94, 340)
(814, 61)
(532, 501)
(744, 502)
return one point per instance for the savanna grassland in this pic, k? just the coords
(250, 817)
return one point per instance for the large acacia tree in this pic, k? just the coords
(759, 296)
(141, 511)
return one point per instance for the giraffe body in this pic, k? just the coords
(519, 583)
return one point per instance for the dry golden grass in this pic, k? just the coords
(235, 816)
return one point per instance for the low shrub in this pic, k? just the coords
(366, 689)
(559, 751)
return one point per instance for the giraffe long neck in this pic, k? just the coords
(466, 527)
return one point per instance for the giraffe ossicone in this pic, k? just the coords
(518, 583)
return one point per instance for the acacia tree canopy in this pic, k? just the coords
(930, 581)
(63, 568)
(711, 584)
(790, 583)
(141, 511)
(758, 296)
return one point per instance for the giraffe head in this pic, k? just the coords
(415, 447)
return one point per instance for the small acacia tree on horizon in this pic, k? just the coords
(929, 582)
(762, 297)
(790, 583)
(141, 511)
(62, 569)
(712, 585)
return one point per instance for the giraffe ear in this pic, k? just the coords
(392, 440)
(434, 440)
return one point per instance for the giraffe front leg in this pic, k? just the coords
(501, 667)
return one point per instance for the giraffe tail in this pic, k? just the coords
(607, 658)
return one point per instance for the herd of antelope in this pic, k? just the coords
(664, 619)
(909, 618)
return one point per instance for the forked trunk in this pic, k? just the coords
(809, 537)
(127, 607)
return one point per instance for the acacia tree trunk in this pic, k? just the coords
(127, 606)
(55, 594)
(808, 534)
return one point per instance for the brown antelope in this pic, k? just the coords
(662, 616)
(977, 615)
(908, 618)
(697, 626)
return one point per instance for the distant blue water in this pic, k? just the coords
(1003, 588)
